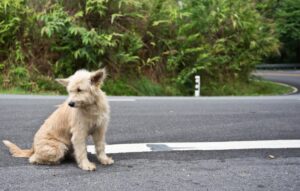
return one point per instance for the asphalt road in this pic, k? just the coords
(142, 120)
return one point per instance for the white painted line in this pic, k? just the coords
(199, 146)
(295, 90)
(221, 98)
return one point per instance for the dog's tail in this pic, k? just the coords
(16, 151)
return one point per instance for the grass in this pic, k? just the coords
(26, 92)
(141, 87)
(255, 87)
(145, 87)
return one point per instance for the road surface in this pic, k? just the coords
(164, 120)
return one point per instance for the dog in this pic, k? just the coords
(85, 112)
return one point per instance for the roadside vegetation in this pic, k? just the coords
(148, 47)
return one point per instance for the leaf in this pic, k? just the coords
(79, 14)
(46, 31)
(114, 16)
(156, 23)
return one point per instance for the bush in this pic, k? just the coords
(78, 46)
(221, 40)
(47, 84)
(288, 25)
(125, 36)
(13, 25)
(149, 47)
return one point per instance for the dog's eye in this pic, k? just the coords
(79, 90)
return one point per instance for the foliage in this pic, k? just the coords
(12, 30)
(288, 26)
(286, 15)
(149, 47)
(139, 87)
(19, 76)
(80, 47)
(253, 87)
(223, 47)
(21, 79)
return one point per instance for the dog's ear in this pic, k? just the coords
(63, 82)
(98, 76)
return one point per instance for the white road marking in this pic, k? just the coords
(286, 85)
(295, 90)
(198, 146)
(221, 98)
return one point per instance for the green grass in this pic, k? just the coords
(255, 87)
(140, 87)
(26, 92)
(145, 87)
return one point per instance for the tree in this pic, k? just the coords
(288, 25)
(221, 40)
(286, 15)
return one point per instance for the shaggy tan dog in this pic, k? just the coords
(84, 113)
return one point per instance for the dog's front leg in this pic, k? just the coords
(79, 145)
(99, 140)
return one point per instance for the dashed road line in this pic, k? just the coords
(198, 146)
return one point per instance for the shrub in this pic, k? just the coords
(221, 40)
(125, 36)
(286, 15)
(18, 76)
(142, 43)
(12, 30)
(79, 47)
(288, 25)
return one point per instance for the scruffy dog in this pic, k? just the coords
(84, 113)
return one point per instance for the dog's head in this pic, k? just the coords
(83, 87)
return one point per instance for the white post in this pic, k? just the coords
(197, 85)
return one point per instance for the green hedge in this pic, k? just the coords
(160, 41)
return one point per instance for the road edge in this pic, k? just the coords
(295, 90)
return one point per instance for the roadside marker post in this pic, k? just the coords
(197, 86)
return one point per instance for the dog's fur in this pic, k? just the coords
(84, 113)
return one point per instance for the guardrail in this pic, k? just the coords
(278, 66)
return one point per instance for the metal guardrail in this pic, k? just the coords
(278, 66)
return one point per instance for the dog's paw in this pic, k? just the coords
(88, 166)
(106, 161)
(32, 160)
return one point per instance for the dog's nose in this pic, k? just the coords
(71, 103)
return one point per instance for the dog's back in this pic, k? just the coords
(57, 126)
